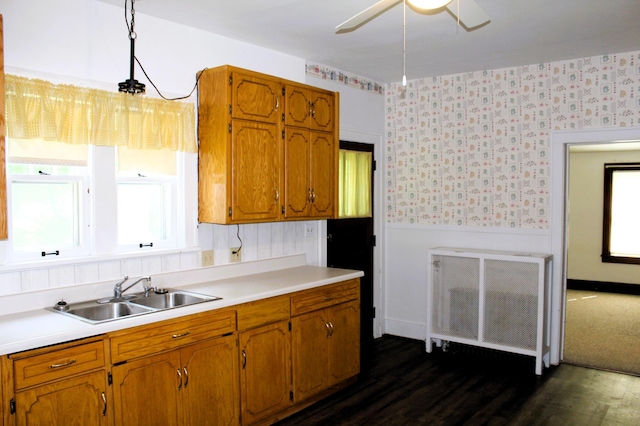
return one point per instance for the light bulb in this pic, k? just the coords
(404, 81)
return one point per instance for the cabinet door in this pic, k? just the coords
(324, 175)
(310, 362)
(210, 372)
(78, 401)
(322, 111)
(309, 108)
(265, 372)
(147, 391)
(297, 188)
(255, 171)
(298, 106)
(344, 341)
(255, 97)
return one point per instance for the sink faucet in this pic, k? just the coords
(118, 290)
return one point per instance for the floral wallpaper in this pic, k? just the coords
(472, 149)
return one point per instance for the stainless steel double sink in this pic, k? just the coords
(135, 304)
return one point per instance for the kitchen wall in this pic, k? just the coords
(586, 186)
(85, 42)
(468, 164)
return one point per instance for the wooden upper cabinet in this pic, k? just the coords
(4, 232)
(309, 108)
(267, 148)
(239, 147)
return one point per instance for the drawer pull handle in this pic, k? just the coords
(104, 400)
(327, 298)
(180, 377)
(64, 364)
(177, 336)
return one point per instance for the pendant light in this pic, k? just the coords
(131, 85)
(429, 4)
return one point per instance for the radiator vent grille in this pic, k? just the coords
(509, 307)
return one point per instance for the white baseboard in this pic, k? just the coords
(406, 329)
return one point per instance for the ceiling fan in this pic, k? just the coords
(468, 13)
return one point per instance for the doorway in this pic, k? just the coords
(600, 321)
(350, 243)
(560, 143)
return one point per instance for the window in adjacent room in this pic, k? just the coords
(621, 227)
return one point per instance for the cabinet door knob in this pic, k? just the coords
(180, 377)
(327, 326)
(244, 359)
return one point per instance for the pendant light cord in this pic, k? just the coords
(404, 43)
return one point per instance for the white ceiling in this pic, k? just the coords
(521, 32)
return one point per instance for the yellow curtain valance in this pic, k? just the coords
(38, 109)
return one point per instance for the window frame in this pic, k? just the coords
(609, 169)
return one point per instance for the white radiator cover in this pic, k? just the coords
(492, 299)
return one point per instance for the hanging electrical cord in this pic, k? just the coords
(239, 239)
(131, 85)
(404, 43)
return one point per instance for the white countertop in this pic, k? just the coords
(36, 328)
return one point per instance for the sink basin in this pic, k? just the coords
(95, 313)
(171, 299)
(103, 310)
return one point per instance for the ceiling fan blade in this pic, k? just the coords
(366, 15)
(471, 14)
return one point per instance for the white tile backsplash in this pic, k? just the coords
(259, 242)
(35, 279)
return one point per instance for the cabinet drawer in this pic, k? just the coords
(312, 300)
(261, 312)
(162, 336)
(58, 364)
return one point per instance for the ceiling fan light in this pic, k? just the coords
(428, 4)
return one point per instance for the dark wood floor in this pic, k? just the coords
(403, 385)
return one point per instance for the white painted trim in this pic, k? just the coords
(560, 141)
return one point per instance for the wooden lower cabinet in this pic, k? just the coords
(265, 371)
(325, 348)
(80, 400)
(64, 384)
(194, 385)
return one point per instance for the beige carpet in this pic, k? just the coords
(603, 331)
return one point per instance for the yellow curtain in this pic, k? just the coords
(354, 185)
(37, 109)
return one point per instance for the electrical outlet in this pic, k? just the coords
(235, 255)
(309, 230)
(206, 258)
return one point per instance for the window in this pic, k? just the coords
(354, 183)
(147, 190)
(621, 226)
(92, 172)
(47, 186)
